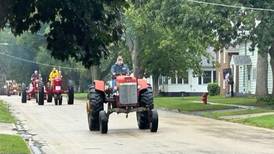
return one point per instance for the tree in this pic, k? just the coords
(260, 26)
(80, 29)
(170, 36)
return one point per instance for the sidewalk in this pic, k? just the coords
(247, 115)
(232, 105)
(7, 128)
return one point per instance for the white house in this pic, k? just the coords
(246, 61)
(191, 85)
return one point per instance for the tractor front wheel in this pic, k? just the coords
(103, 120)
(154, 121)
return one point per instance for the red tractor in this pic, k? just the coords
(35, 90)
(129, 95)
(55, 91)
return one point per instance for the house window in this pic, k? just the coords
(207, 77)
(161, 80)
(249, 73)
(180, 80)
(214, 76)
(200, 80)
(186, 79)
(173, 80)
(165, 80)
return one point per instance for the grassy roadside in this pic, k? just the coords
(13, 144)
(219, 115)
(265, 121)
(5, 116)
(235, 100)
(10, 143)
(186, 104)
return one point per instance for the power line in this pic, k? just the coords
(33, 62)
(231, 6)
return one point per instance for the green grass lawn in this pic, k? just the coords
(185, 104)
(235, 100)
(81, 96)
(261, 121)
(13, 144)
(218, 115)
(5, 115)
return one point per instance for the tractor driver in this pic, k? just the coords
(119, 67)
(35, 76)
(53, 74)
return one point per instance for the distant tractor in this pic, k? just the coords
(56, 90)
(40, 92)
(12, 87)
(128, 95)
(36, 89)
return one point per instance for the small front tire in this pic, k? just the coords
(103, 121)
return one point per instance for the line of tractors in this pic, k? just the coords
(49, 92)
(129, 94)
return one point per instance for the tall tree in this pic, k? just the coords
(260, 26)
(80, 29)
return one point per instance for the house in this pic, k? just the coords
(192, 84)
(243, 64)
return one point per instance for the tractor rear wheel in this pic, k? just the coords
(146, 100)
(96, 100)
(103, 120)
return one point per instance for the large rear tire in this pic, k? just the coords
(70, 95)
(96, 100)
(146, 100)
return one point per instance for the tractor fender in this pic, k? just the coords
(99, 85)
(142, 84)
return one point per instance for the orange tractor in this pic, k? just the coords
(128, 95)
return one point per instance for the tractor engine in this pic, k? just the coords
(127, 91)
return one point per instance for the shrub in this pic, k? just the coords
(266, 99)
(213, 89)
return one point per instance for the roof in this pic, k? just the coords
(240, 60)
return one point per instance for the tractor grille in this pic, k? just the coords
(128, 93)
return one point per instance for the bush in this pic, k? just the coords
(266, 99)
(213, 89)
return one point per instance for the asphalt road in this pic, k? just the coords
(64, 129)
